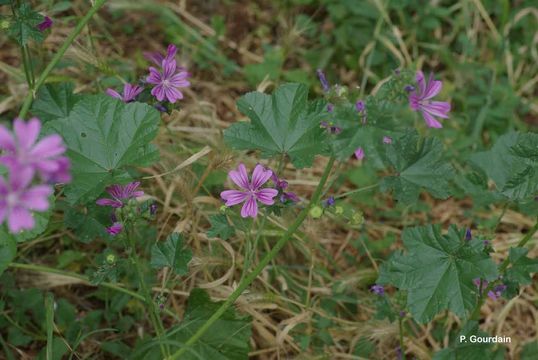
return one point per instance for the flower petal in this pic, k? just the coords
(266, 196)
(430, 120)
(19, 219)
(113, 93)
(437, 108)
(240, 176)
(250, 208)
(36, 198)
(260, 176)
(433, 87)
(26, 133)
(7, 141)
(51, 145)
(233, 197)
(109, 202)
(419, 77)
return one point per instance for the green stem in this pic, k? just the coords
(56, 58)
(475, 315)
(250, 254)
(356, 191)
(259, 268)
(400, 327)
(49, 307)
(154, 314)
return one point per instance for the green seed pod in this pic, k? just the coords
(338, 210)
(223, 209)
(316, 212)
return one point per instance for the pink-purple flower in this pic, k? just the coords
(281, 185)
(18, 198)
(115, 229)
(359, 153)
(251, 190)
(130, 92)
(378, 289)
(23, 150)
(387, 140)
(420, 100)
(45, 24)
(169, 78)
(121, 194)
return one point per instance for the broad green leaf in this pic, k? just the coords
(24, 25)
(521, 266)
(227, 339)
(220, 227)
(284, 123)
(105, 137)
(88, 223)
(462, 347)
(8, 250)
(437, 271)
(172, 253)
(418, 165)
(512, 163)
(54, 101)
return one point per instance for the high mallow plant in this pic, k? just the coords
(78, 156)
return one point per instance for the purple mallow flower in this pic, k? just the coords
(130, 92)
(121, 194)
(359, 153)
(378, 289)
(387, 140)
(23, 150)
(251, 190)
(421, 100)
(323, 80)
(281, 185)
(45, 24)
(18, 198)
(480, 283)
(168, 80)
(496, 292)
(359, 106)
(115, 229)
(153, 209)
(330, 107)
(329, 202)
(468, 234)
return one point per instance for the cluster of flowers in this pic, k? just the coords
(419, 97)
(32, 167)
(494, 293)
(167, 79)
(125, 205)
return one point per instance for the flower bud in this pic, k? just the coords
(338, 210)
(111, 259)
(357, 218)
(223, 209)
(316, 212)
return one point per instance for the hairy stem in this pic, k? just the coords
(56, 58)
(259, 268)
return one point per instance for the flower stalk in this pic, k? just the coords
(259, 268)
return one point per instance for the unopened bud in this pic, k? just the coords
(316, 212)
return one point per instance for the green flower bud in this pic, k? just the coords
(223, 209)
(111, 259)
(357, 218)
(4, 24)
(316, 212)
(338, 210)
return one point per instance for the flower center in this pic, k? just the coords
(12, 199)
(166, 83)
